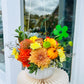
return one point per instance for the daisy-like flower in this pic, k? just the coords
(52, 53)
(40, 58)
(14, 51)
(61, 55)
(35, 46)
(33, 38)
(16, 55)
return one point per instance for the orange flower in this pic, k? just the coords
(39, 40)
(52, 53)
(23, 56)
(25, 43)
(40, 58)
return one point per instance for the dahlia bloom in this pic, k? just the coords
(23, 56)
(52, 53)
(35, 45)
(40, 58)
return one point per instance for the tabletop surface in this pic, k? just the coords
(59, 77)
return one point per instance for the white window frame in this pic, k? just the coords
(11, 20)
(77, 76)
(11, 10)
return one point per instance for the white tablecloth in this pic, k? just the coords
(59, 77)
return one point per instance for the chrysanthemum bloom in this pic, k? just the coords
(61, 55)
(52, 41)
(52, 53)
(25, 43)
(39, 40)
(23, 56)
(40, 58)
(46, 44)
(70, 43)
(33, 38)
(35, 46)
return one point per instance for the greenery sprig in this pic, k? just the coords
(32, 68)
(21, 35)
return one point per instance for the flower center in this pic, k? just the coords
(54, 51)
(40, 57)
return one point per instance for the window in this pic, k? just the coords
(42, 16)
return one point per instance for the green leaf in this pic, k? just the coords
(26, 36)
(16, 36)
(60, 64)
(32, 68)
(17, 30)
(22, 35)
(35, 72)
(31, 71)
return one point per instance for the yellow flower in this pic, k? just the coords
(35, 45)
(61, 55)
(16, 55)
(53, 42)
(40, 58)
(14, 51)
(70, 43)
(33, 38)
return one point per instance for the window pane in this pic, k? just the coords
(2, 61)
(42, 16)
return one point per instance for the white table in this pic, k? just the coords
(59, 77)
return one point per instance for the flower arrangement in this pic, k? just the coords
(38, 53)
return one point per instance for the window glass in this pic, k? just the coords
(42, 16)
(2, 61)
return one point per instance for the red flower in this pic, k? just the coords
(23, 56)
(47, 37)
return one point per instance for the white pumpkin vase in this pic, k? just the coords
(41, 74)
